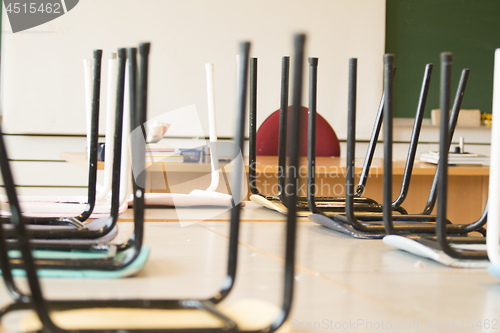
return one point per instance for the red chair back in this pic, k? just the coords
(327, 143)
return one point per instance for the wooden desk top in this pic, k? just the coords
(80, 159)
(251, 212)
(327, 165)
(324, 165)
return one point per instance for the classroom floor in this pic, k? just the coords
(342, 284)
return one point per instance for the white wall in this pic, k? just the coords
(42, 73)
(42, 76)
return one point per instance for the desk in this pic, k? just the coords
(338, 278)
(467, 185)
(165, 177)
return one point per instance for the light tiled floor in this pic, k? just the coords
(342, 284)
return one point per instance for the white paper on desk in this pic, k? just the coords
(177, 118)
(218, 203)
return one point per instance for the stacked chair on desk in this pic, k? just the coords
(338, 213)
(43, 225)
(278, 202)
(87, 250)
(162, 315)
(43, 209)
(461, 252)
(333, 205)
(92, 157)
(375, 225)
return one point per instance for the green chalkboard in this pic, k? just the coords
(417, 31)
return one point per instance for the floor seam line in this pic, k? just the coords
(320, 275)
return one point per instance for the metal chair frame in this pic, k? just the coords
(41, 305)
(94, 136)
(53, 236)
(132, 247)
(330, 204)
(441, 241)
(376, 226)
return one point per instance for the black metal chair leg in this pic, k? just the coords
(282, 144)
(285, 72)
(431, 201)
(444, 243)
(388, 131)
(370, 152)
(252, 142)
(417, 125)
(311, 136)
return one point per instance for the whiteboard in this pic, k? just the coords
(42, 73)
